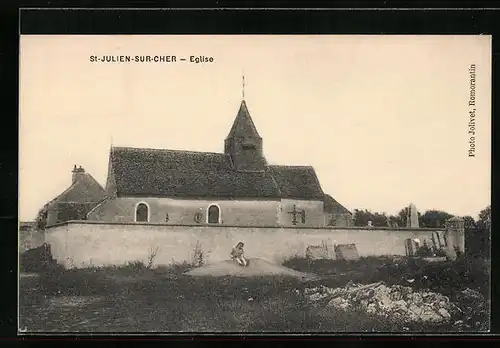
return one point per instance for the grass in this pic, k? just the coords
(135, 298)
(448, 278)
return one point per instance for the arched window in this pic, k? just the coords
(213, 214)
(142, 213)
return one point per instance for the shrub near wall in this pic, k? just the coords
(83, 243)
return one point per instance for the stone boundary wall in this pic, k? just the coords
(89, 243)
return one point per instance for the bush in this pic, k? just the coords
(37, 259)
(444, 277)
(198, 255)
(136, 266)
(175, 268)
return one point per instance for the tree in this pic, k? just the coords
(41, 218)
(485, 217)
(478, 235)
(361, 218)
(402, 216)
(469, 222)
(435, 218)
(394, 221)
(379, 220)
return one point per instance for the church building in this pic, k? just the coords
(237, 187)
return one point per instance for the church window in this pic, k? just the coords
(142, 213)
(213, 214)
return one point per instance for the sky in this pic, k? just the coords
(382, 119)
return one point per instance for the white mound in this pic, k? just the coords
(257, 267)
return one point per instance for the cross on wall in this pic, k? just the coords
(295, 213)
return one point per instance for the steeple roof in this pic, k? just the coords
(243, 124)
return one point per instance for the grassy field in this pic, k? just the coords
(138, 299)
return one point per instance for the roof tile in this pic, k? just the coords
(174, 173)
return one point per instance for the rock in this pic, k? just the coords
(472, 294)
(311, 290)
(444, 313)
(371, 308)
(333, 292)
(317, 296)
(397, 302)
(430, 316)
(417, 299)
(339, 303)
(385, 301)
(415, 309)
(401, 303)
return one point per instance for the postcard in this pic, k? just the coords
(254, 184)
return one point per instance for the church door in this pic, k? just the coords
(213, 214)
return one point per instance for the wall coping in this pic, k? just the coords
(353, 228)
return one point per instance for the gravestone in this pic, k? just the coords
(412, 218)
(455, 235)
(317, 252)
(411, 246)
(346, 252)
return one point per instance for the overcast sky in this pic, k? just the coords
(383, 119)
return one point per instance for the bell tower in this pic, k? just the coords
(244, 143)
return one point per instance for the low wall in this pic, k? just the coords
(29, 238)
(84, 243)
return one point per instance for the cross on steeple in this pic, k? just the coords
(243, 86)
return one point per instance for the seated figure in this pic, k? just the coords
(237, 254)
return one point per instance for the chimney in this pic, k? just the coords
(78, 173)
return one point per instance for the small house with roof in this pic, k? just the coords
(77, 200)
(237, 187)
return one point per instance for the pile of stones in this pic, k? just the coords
(396, 302)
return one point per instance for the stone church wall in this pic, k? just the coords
(84, 243)
(314, 215)
(182, 212)
(233, 212)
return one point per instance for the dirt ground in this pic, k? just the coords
(255, 267)
(129, 299)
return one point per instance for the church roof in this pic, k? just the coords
(298, 182)
(243, 123)
(332, 206)
(174, 173)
